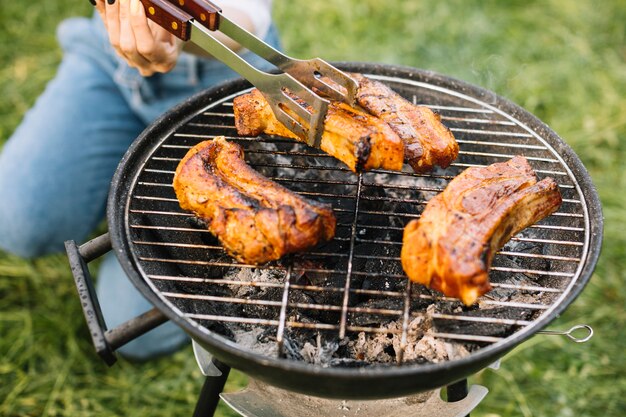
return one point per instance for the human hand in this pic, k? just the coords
(142, 43)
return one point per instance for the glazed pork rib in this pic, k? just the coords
(427, 142)
(255, 219)
(359, 140)
(451, 246)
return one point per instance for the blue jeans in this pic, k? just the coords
(56, 168)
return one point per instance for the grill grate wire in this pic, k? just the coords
(173, 254)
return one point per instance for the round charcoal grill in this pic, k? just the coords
(353, 287)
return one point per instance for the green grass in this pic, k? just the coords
(564, 61)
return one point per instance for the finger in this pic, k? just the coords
(153, 42)
(101, 10)
(161, 34)
(128, 42)
(144, 38)
(112, 11)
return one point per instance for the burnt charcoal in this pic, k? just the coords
(484, 329)
(268, 335)
(201, 224)
(533, 248)
(418, 360)
(505, 294)
(369, 319)
(332, 281)
(290, 349)
(220, 328)
(377, 260)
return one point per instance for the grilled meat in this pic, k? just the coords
(427, 142)
(255, 219)
(450, 248)
(359, 140)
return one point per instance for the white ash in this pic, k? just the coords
(251, 339)
(251, 276)
(319, 354)
(421, 345)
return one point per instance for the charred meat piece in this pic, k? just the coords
(450, 248)
(359, 140)
(255, 219)
(427, 142)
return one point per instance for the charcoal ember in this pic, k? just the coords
(168, 251)
(531, 248)
(480, 328)
(310, 271)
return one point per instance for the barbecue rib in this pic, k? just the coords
(255, 219)
(450, 248)
(427, 142)
(359, 140)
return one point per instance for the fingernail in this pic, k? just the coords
(111, 1)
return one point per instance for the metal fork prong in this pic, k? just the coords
(293, 105)
(307, 71)
(312, 112)
(307, 123)
(322, 76)
(291, 122)
(273, 86)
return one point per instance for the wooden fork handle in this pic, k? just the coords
(171, 18)
(205, 12)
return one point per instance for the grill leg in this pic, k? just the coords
(457, 391)
(210, 393)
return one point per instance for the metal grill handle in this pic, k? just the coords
(105, 341)
(584, 336)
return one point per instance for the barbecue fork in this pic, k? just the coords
(195, 20)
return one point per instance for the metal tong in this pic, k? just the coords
(195, 20)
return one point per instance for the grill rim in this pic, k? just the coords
(253, 363)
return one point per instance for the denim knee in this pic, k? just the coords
(36, 216)
(26, 231)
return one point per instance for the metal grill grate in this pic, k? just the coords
(188, 269)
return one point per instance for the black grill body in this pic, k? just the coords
(181, 269)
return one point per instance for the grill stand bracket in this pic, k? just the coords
(262, 400)
(259, 399)
(105, 341)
